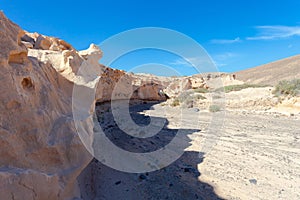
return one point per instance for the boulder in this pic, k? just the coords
(42, 43)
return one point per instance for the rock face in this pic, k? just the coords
(41, 153)
(289, 106)
(217, 80)
(42, 42)
(177, 86)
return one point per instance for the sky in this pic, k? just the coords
(235, 34)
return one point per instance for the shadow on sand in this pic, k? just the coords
(176, 181)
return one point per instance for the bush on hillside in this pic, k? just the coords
(287, 88)
(187, 98)
(230, 88)
(214, 108)
(175, 103)
(201, 90)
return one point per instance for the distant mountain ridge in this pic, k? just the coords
(272, 73)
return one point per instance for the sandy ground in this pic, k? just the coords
(256, 157)
(232, 155)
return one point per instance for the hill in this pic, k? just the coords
(271, 73)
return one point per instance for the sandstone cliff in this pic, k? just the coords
(41, 153)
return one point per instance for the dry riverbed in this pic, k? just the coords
(229, 155)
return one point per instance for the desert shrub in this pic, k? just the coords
(214, 108)
(184, 96)
(175, 103)
(163, 104)
(218, 96)
(230, 88)
(201, 90)
(285, 87)
(199, 96)
(187, 97)
(188, 103)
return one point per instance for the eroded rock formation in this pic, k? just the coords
(41, 153)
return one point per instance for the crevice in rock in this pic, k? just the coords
(12, 196)
(29, 188)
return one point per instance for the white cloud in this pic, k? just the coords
(275, 32)
(179, 61)
(188, 61)
(216, 41)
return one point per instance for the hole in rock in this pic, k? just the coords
(27, 83)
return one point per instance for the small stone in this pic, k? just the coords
(253, 181)
(186, 169)
(117, 183)
(142, 177)
(196, 109)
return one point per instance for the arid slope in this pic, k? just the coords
(271, 73)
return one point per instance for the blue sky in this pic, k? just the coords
(236, 34)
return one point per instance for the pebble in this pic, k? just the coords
(117, 183)
(196, 109)
(253, 181)
(142, 177)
